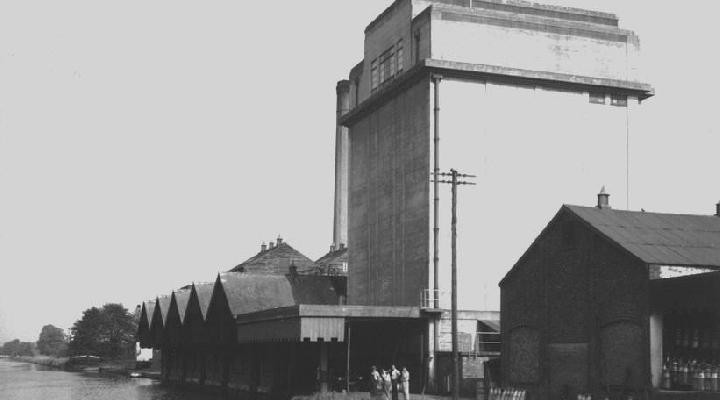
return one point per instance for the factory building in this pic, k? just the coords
(510, 91)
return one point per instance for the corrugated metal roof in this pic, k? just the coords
(181, 299)
(204, 294)
(655, 238)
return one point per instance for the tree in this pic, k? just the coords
(17, 348)
(51, 341)
(107, 332)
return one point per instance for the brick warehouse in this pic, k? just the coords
(521, 83)
(614, 303)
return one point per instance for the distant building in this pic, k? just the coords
(604, 299)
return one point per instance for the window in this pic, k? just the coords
(618, 100)
(386, 65)
(597, 97)
(374, 79)
(399, 55)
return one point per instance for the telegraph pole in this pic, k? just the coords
(454, 175)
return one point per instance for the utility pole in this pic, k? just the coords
(454, 175)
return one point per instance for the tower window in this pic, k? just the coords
(374, 78)
(618, 100)
(597, 97)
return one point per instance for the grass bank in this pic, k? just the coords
(52, 362)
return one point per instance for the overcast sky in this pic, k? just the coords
(148, 144)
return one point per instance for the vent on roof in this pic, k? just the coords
(603, 199)
(263, 246)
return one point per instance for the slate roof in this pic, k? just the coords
(655, 238)
(332, 262)
(276, 260)
(248, 293)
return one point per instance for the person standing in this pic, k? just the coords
(395, 379)
(387, 384)
(376, 383)
(405, 383)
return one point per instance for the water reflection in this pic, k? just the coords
(29, 381)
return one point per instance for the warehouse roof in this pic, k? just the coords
(655, 238)
(248, 293)
(204, 294)
(181, 299)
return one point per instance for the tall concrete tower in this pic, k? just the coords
(342, 154)
(533, 99)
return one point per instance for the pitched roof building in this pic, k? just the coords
(276, 259)
(603, 296)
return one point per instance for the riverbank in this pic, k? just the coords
(121, 367)
(48, 361)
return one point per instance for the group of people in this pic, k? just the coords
(387, 384)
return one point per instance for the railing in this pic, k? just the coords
(429, 297)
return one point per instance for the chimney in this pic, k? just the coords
(293, 269)
(603, 199)
(272, 245)
(279, 240)
(263, 246)
(332, 247)
(717, 209)
(342, 246)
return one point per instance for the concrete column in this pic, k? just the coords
(323, 367)
(342, 158)
(431, 364)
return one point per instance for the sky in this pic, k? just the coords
(147, 145)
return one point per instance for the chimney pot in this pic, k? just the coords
(332, 247)
(272, 245)
(263, 246)
(279, 240)
(342, 246)
(717, 209)
(603, 199)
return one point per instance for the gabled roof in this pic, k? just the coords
(204, 293)
(149, 306)
(276, 260)
(332, 262)
(181, 299)
(248, 293)
(655, 238)
(164, 303)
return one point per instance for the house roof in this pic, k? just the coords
(248, 293)
(334, 258)
(655, 238)
(276, 260)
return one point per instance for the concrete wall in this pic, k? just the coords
(384, 34)
(388, 186)
(532, 150)
(533, 43)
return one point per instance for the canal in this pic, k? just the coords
(21, 381)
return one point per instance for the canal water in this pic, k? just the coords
(22, 381)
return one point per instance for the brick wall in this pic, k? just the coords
(587, 300)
